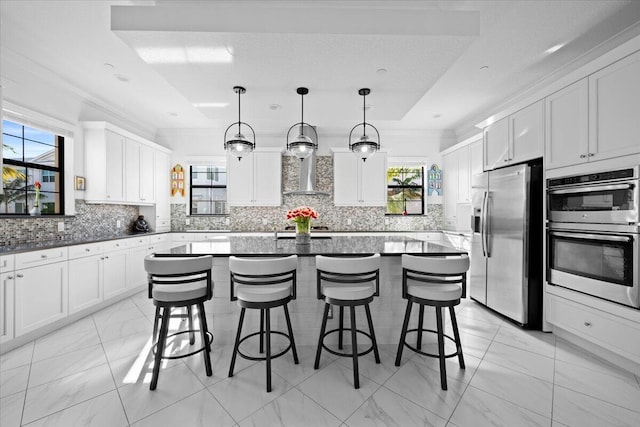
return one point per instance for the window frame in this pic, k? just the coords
(192, 186)
(60, 169)
(404, 187)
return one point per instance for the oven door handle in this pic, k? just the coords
(593, 236)
(592, 189)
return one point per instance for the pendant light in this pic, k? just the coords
(239, 145)
(364, 147)
(302, 146)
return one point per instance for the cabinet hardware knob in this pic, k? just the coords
(106, 257)
(591, 154)
(582, 156)
(506, 160)
(587, 324)
(87, 250)
(43, 256)
(20, 275)
(10, 277)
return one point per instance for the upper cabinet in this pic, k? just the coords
(162, 190)
(457, 168)
(256, 180)
(516, 138)
(119, 167)
(357, 182)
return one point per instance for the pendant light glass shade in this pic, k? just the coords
(302, 146)
(239, 145)
(366, 145)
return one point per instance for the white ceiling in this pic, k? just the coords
(177, 54)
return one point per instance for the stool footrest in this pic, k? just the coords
(337, 353)
(273, 356)
(180, 356)
(406, 344)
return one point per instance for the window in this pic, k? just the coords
(208, 190)
(31, 155)
(405, 190)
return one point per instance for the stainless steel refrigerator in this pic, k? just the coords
(506, 249)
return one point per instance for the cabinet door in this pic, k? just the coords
(132, 171)
(464, 181)
(114, 169)
(345, 180)
(85, 283)
(114, 275)
(373, 180)
(475, 154)
(162, 187)
(136, 275)
(147, 181)
(614, 109)
(496, 144)
(40, 296)
(7, 282)
(527, 133)
(450, 185)
(567, 125)
(240, 180)
(267, 178)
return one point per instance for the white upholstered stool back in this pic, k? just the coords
(263, 279)
(348, 278)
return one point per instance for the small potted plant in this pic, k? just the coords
(302, 217)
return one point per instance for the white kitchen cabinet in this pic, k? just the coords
(162, 189)
(7, 289)
(614, 109)
(475, 154)
(136, 274)
(450, 188)
(567, 125)
(516, 138)
(85, 282)
(256, 180)
(139, 173)
(357, 182)
(456, 169)
(114, 268)
(41, 296)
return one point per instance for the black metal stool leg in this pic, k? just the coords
(354, 349)
(293, 342)
(403, 334)
(205, 339)
(164, 328)
(420, 324)
(261, 330)
(443, 367)
(456, 335)
(323, 328)
(192, 334)
(155, 323)
(341, 326)
(267, 321)
(373, 334)
(237, 344)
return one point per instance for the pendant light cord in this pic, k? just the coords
(302, 117)
(239, 112)
(364, 115)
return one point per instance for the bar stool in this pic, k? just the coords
(347, 282)
(436, 282)
(179, 282)
(263, 284)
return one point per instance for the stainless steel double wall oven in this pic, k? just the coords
(593, 233)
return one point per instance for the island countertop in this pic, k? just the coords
(222, 246)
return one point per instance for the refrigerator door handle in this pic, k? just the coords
(486, 230)
(482, 224)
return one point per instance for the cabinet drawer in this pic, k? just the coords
(35, 258)
(611, 332)
(7, 263)
(159, 238)
(81, 251)
(138, 241)
(115, 245)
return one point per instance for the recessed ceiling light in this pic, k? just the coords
(275, 107)
(210, 104)
(484, 67)
(109, 66)
(381, 71)
(437, 116)
(122, 78)
(555, 48)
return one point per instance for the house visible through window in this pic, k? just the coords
(31, 155)
(405, 190)
(208, 190)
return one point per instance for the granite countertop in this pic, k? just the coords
(336, 245)
(48, 244)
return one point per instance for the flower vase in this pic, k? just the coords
(35, 211)
(303, 233)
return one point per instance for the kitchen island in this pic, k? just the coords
(306, 311)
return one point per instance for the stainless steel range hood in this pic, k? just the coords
(307, 183)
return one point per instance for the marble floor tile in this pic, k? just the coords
(102, 411)
(123, 328)
(14, 380)
(295, 374)
(478, 409)
(475, 311)
(174, 384)
(56, 367)
(452, 366)
(135, 368)
(54, 396)
(291, 409)
(521, 360)
(421, 385)
(333, 389)
(198, 410)
(535, 341)
(128, 346)
(570, 353)
(576, 409)
(472, 326)
(388, 409)
(76, 336)
(246, 391)
(616, 390)
(520, 389)
(104, 319)
(18, 357)
(11, 409)
(220, 362)
(378, 372)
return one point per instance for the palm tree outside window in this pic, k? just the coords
(405, 190)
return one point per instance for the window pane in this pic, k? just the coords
(414, 207)
(11, 147)
(13, 200)
(49, 202)
(208, 175)
(394, 207)
(11, 128)
(39, 135)
(44, 154)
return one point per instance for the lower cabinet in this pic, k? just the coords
(136, 275)
(114, 273)
(41, 296)
(7, 286)
(85, 282)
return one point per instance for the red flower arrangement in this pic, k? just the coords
(37, 186)
(302, 216)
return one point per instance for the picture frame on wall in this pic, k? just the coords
(79, 183)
